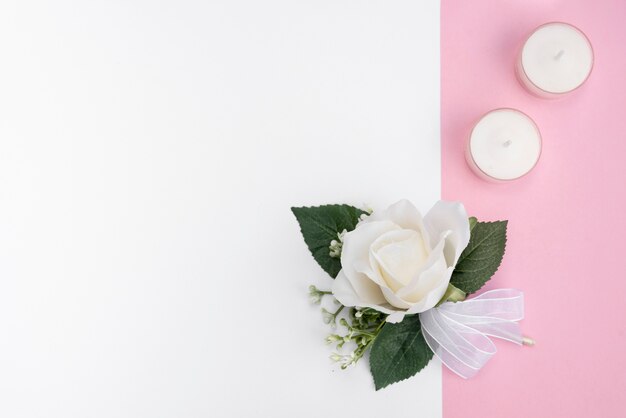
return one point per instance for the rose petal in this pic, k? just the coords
(449, 216)
(343, 291)
(372, 272)
(430, 280)
(434, 296)
(345, 294)
(430, 276)
(355, 252)
(394, 300)
(400, 255)
(396, 317)
(404, 214)
(366, 289)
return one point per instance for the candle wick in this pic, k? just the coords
(507, 143)
(559, 54)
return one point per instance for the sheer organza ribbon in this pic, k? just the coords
(458, 333)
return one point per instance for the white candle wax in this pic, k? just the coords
(556, 59)
(504, 145)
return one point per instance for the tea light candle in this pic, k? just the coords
(556, 59)
(504, 145)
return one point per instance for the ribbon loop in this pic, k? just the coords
(458, 333)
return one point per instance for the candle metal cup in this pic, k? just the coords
(484, 172)
(543, 91)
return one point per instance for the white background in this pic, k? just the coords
(149, 154)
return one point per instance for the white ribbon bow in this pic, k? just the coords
(457, 332)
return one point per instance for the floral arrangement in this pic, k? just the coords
(401, 284)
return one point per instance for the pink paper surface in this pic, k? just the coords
(567, 219)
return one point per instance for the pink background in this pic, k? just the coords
(567, 219)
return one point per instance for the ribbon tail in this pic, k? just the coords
(492, 327)
(458, 333)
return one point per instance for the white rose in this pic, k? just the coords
(399, 264)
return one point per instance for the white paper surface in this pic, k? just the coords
(149, 154)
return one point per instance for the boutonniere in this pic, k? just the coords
(402, 287)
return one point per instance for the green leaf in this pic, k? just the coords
(472, 222)
(320, 225)
(482, 256)
(399, 352)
